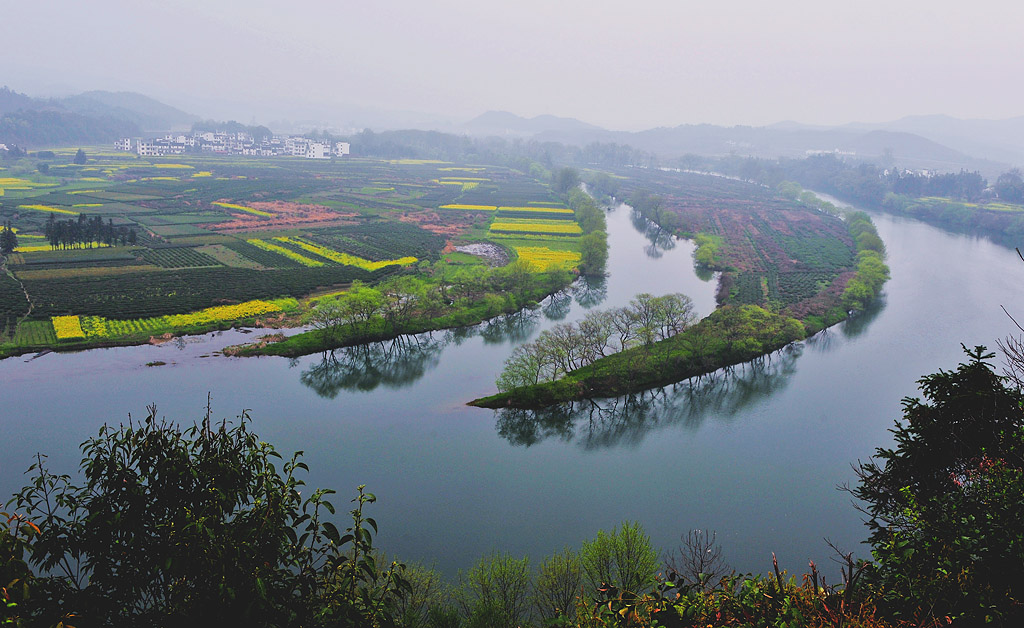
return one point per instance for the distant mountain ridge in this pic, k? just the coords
(90, 117)
(505, 123)
(936, 143)
(149, 114)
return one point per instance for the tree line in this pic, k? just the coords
(567, 347)
(86, 232)
(440, 292)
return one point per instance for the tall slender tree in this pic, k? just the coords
(8, 239)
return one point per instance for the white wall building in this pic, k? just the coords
(341, 149)
(318, 150)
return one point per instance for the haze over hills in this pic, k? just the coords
(787, 139)
(935, 142)
(149, 114)
(503, 123)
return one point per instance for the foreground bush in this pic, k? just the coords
(170, 526)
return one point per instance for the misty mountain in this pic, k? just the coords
(95, 117)
(51, 128)
(1002, 140)
(11, 101)
(788, 139)
(503, 123)
(147, 113)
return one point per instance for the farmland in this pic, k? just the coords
(788, 268)
(774, 253)
(201, 231)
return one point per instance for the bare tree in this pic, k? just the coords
(698, 559)
(1012, 348)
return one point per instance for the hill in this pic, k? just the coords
(90, 117)
(149, 114)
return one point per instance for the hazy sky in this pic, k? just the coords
(622, 65)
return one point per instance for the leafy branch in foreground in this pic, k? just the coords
(172, 525)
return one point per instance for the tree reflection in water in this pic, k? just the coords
(516, 328)
(556, 307)
(402, 361)
(590, 291)
(830, 339)
(660, 240)
(627, 420)
(394, 364)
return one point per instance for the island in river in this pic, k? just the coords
(125, 251)
(788, 269)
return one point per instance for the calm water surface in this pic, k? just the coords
(755, 455)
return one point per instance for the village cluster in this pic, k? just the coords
(223, 143)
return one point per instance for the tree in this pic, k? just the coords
(1010, 186)
(80, 157)
(623, 558)
(565, 179)
(698, 560)
(8, 239)
(496, 591)
(946, 505)
(175, 526)
(558, 585)
(593, 253)
(330, 317)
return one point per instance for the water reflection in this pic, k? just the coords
(831, 338)
(625, 421)
(590, 291)
(858, 324)
(402, 361)
(515, 328)
(703, 273)
(393, 364)
(557, 306)
(659, 239)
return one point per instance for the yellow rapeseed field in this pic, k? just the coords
(48, 208)
(280, 250)
(67, 327)
(345, 258)
(527, 210)
(562, 228)
(541, 258)
(100, 327)
(479, 208)
(243, 208)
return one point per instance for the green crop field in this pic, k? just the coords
(193, 219)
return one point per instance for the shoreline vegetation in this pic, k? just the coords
(571, 363)
(329, 246)
(441, 299)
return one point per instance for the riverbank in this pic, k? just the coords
(729, 336)
(379, 327)
(806, 284)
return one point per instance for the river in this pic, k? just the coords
(756, 455)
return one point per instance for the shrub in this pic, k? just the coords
(172, 525)
(947, 503)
